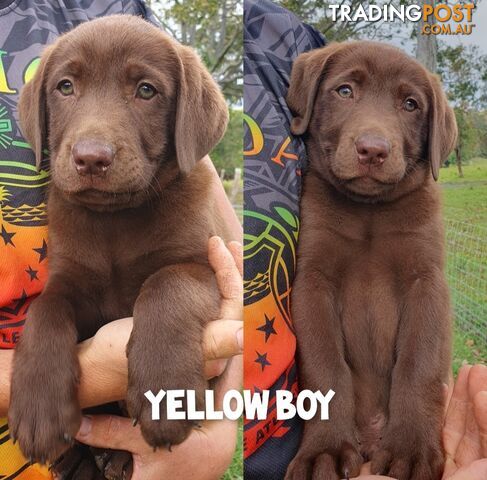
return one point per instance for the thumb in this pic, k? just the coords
(223, 339)
(480, 409)
(110, 431)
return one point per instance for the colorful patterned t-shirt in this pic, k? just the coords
(26, 26)
(273, 38)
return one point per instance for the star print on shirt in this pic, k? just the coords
(7, 237)
(262, 360)
(268, 328)
(32, 273)
(42, 251)
(18, 304)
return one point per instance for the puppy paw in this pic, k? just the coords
(163, 432)
(114, 464)
(44, 414)
(409, 456)
(157, 433)
(332, 464)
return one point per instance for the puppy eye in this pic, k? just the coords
(65, 87)
(345, 91)
(410, 105)
(146, 91)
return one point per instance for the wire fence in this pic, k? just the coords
(467, 274)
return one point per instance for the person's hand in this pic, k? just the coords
(206, 454)
(465, 430)
(103, 359)
(366, 475)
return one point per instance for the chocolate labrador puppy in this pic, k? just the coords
(370, 302)
(126, 113)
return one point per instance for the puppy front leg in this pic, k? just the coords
(44, 413)
(411, 448)
(165, 348)
(328, 449)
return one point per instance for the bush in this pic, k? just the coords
(228, 153)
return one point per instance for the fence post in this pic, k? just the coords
(236, 184)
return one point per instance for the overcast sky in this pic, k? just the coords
(479, 33)
(477, 37)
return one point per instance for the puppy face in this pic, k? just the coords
(117, 101)
(375, 117)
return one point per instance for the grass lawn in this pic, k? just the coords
(465, 350)
(466, 197)
(467, 201)
(474, 170)
(465, 213)
(235, 472)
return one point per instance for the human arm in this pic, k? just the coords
(212, 445)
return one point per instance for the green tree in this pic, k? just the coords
(317, 14)
(479, 122)
(463, 70)
(227, 155)
(214, 29)
(466, 138)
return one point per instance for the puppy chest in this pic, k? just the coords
(121, 286)
(369, 319)
(124, 280)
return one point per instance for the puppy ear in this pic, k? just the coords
(33, 109)
(306, 76)
(442, 136)
(202, 113)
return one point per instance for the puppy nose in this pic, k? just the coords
(92, 157)
(372, 149)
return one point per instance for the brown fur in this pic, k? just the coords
(370, 300)
(131, 241)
